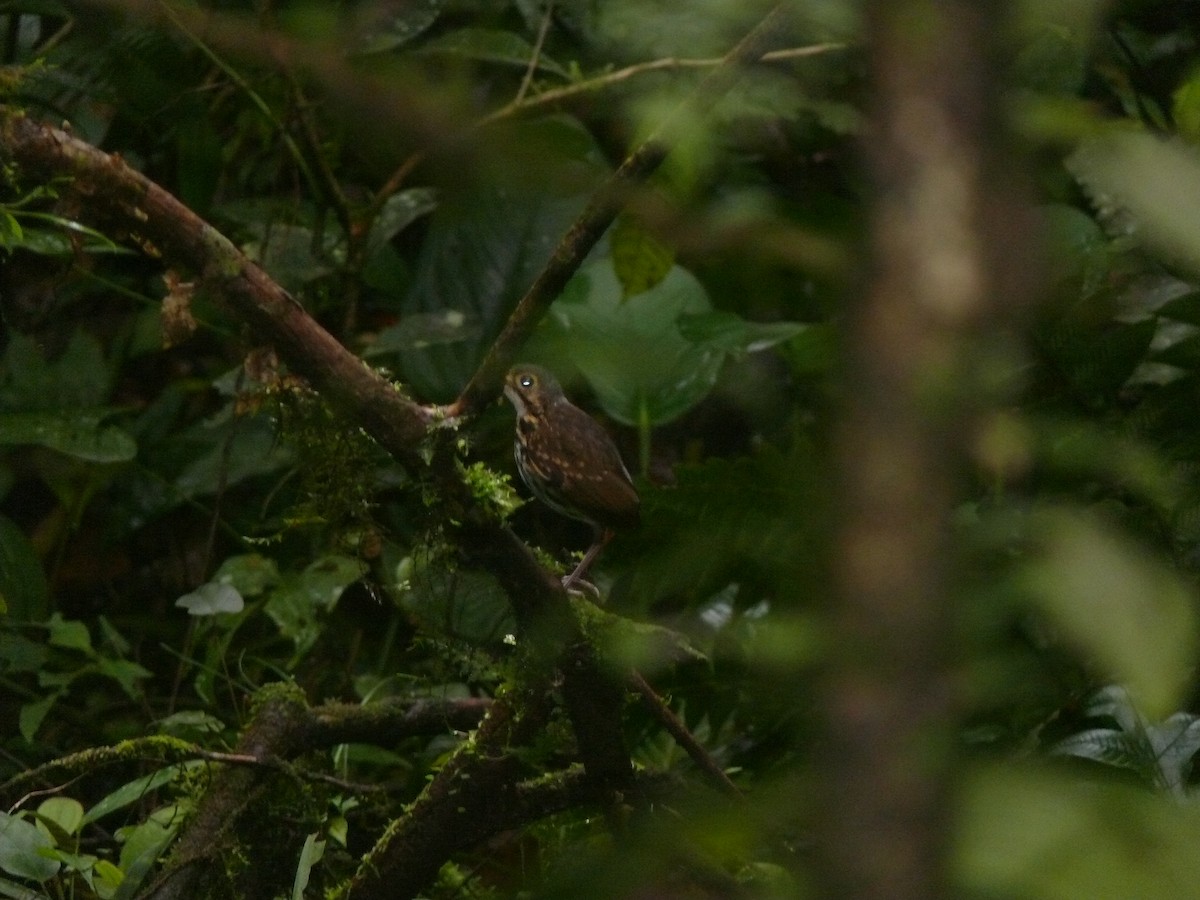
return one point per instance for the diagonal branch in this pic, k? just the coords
(122, 202)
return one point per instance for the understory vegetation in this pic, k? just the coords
(893, 310)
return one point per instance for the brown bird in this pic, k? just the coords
(569, 461)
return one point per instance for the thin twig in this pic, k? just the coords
(684, 738)
(556, 95)
(537, 54)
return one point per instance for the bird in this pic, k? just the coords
(569, 461)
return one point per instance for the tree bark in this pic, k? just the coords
(943, 217)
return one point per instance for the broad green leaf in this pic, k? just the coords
(143, 844)
(650, 30)
(253, 449)
(75, 432)
(298, 602)
(490, 45)
(137, 790)
(422, 330)
(19, 654)
(640, 260)
(190, 722)
(20, 843)
(1153, 181)
(211, 598)
(393, 25)
(1118, 605)
(469, 605)
(733, 334)
(14, 891)
(107, 878)
(65, 812)
(632, 353)
(70, 634)
(78, 379)
(1052, 59)
(1024, 833)
(474, 266)
(124, 672)
(32, 714)
(398, 212)
(1115, 748)
(1077, 252)
(10, 230)
(250, 573)
(23, 584)
(1185, 108)
(310, 855)
(293, 255)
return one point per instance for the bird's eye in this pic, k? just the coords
(526, 381)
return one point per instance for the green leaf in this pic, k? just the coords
(631, 351)
(490, 45)
(640, 260)
(20, 843)
(77, 433)
(126, 673)
(23, 584)
(1185, 108)
(70, 634)
(1025, 833)
(65, 812)
(211, 598)
(300, 600)
(15, 891)
(143, 845)
(228, 453)
(310, 855)
(1118, 605)
(1156, 184)
(396, 25)
(1077, 251)
(469, 605)
(19, 654)
(1114, 748)
(293, 255)
(188, 722)
(10, 230)
(78, 379)
(398, 212)
(250, 574)
(108, 878)
(136, 791)
(733, 334)
(812, 351)
(30, 718)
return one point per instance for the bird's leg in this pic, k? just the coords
(603, 536)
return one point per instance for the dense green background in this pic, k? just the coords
(180, 524)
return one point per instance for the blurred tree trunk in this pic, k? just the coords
(943, 218)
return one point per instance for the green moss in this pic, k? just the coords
(277, 691)
(492, 490)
